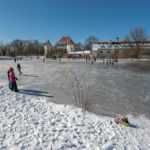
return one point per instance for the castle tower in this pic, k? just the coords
(47, 49)
(117, 39)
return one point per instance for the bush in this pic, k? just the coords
(81, 92)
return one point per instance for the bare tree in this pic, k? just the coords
(89, 41)
(26, 47)
(79, 46)
(137, 35)
(1, 46)
(80, 91)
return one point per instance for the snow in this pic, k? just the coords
(35, 123)
(118, 90)
(6, 58)
(31, 120)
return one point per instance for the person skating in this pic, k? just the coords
(103, 60)
(43, 59)
(15, 60)
(113, 62)
(86, 59)
(12, 79)
(19, 69)
(107, 62)
(59, 58)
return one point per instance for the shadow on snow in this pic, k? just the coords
(134, 126)
(29, 75)
(35, 93)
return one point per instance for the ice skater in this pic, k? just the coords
(15, 60)
(43, 59)
(92, 61)
(59, 58)
(112, 62)
(107, 63)
(103, 60)
(19, 69)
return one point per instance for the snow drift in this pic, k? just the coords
(35, 123)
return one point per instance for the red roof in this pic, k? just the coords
(65, 40)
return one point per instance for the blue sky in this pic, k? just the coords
(51, 19)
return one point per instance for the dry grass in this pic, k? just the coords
(81, 93)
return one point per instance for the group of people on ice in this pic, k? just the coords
(12, 78)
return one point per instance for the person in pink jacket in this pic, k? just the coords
(12, 79)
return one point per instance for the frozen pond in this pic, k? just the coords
(120, 89)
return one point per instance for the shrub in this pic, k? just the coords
(81, 92)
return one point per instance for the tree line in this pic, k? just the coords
(22, 47)
(34, 47)
(137, 35)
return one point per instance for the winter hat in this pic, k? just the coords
(10, 69)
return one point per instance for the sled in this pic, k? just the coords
(126, 124)
(123, 121)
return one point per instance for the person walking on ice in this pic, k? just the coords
(19, 69)
(12, 79)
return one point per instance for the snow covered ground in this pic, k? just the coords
(120, 89)
(29, 120)
(34, 123)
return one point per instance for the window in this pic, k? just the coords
(108, 52)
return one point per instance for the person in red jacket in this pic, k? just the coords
(12, 79)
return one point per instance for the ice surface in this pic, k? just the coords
(120, 89)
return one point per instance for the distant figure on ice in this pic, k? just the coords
(86, 59)
(19, 69)
(12, 79)
(92, 61)
(113, 62)
(103, 60)
(59, 58)
(107, 62)
(15, 60)
(43, 59)
(116, 60)
(110, 61)
(68, 57)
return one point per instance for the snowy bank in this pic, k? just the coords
(35, 123)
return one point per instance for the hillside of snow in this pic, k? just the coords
(34, 123)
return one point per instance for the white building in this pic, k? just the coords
(65, 43)
(80, 54)
(106, 49)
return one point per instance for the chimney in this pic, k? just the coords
(110, 41)
(117, 39)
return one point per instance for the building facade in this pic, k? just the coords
(107, 49)
(65, 44)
